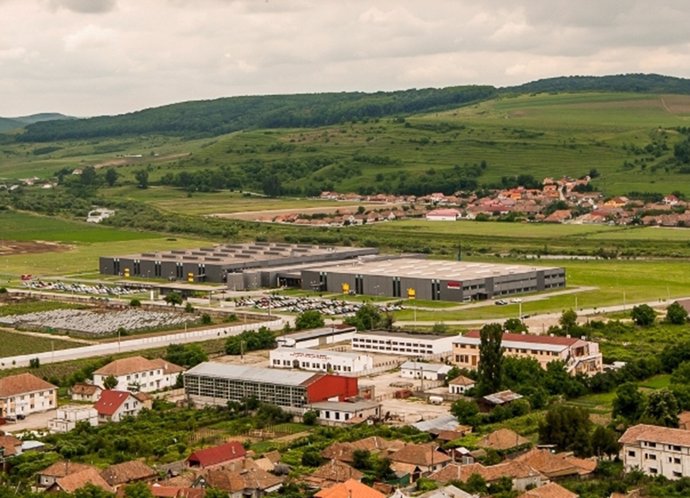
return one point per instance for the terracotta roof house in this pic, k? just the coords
(9, 446)
(459, 432)
(550, 490)
(447, 492)
(23, 394)
(217, 455)
(349, 489)
(554, 465)
(49, 475)
(656, 450)
(137, 373)
(522, 475)
(249, 481)
(331, 473)
(113, 406)
(684, 420)
(419, 459)
(73, 482)
(502, 439)
(85, 392)
(127, 472)
(176, 491)
(460, 384)
(373, 444)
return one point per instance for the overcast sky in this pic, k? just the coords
(91, 57)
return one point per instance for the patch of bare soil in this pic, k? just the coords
(10, 247)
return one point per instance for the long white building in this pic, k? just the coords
(315, 360)
(419, 345)
(138, 374)
(656, 451)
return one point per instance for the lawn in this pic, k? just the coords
(15, 343)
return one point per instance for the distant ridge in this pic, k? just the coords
(230, 114)
(8, 124)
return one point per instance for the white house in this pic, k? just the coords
(320, 360)
(113, 406)
(443, 215)
(460, 385)
(656, 450)
(68, 416)
(341, 412)
(426, 371)
(85, 392)
(136, 374)
(24, 394)
(98, 215)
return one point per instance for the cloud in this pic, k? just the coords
(84, 6)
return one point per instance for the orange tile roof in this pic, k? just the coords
(502, 439)
(122, 473)
(349, 489)
(64, 468)
(556, 464)
(420, 454)
(78, 480)
(133, 364)
(461, 380)
(236, 481)
(655, 434)
(9, 445)
(550, 490)
(84, 389)
(22, 383)
(531, 338)
(510, 468)
(168, 368)
(335, 471)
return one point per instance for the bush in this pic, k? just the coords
(310, 417)
(135, 303)
(643, 315)
(310, 319)
(3, 290)
(676, 314)
(189, 308)
(206, 319)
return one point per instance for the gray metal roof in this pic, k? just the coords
(345, 406)
(402, 335)
(251, 374)
(442, 423)
(315, 352)
(320, 332)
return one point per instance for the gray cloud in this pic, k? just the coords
(141, 54)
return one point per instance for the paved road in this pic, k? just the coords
(129, 345)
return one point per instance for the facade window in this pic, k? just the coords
(631, 453)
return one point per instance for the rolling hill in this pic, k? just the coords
(9, 124)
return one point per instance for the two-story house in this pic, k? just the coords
(24, 394)
(113, 406)
(137, 373)
(656, 450)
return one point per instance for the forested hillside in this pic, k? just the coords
(7, 124)
(226, 115)
(644, 83)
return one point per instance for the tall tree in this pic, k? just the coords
(629, 402)
(676, 314)
(142, 177)
(662, 409)
(643, 315)
(111, 176)
(568, 428)
(490, 365)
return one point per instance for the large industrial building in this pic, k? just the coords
(240, 266)
(320, 360)
(433, 280)
(400, 343)
(213, 383)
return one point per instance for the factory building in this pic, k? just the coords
(420, 345)
(239, 266)
(213, 383)
(317, 360)
(432, 280)
(317, 337)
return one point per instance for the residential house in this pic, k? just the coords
(68, 416)
(421, 370)
(48, 476)
(24, 394)
(523, 476)
(443, 215)
(72, 482)
(128, 472)
(159, 491)
(447, 492)
(349, 489)
(502, 440)
(9, 446)
(241, 481)
(460, 385)
(85, 392)
(549, 490)
(374, 444)
(656, 450)
(217, 456)
(332, 472)
(579, 355)
(137, 373)
(113, 406)
(419, 460)
(343, 412)
(557, 465)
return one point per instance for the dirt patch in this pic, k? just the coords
(271, 214)
(126, 161)
(10, 247)
(676, 104)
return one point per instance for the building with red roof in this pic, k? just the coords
(216, 456)
(112, 406)
(443, 215)
(579, 355)
(24, 394)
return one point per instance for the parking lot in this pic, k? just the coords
(34, 421)
(329, 307)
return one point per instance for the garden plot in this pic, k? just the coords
(97, 323)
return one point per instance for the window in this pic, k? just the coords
(676, 460)
(650, 456)
(631, 453)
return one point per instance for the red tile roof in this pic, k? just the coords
(349, 489)
(126, 472)
(655, 434)
(176, 492)
(130, 365)
(217, 454)
(22, 383)
(420, 454)
(110, 401)
(550, 490)
(64, 468)
(78, 480)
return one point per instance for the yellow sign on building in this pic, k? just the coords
(411, 293)
(190, 278)
(346, 288)
(126, 273)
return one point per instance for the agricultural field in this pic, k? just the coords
(15, 343)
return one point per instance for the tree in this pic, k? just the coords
(490, 365)
(676, 314)
(110, 382)
(138, 490)
(173, 298)
(88, 176)
(185, 355)
(367, 317)
(142, 178)
(466, 411)
(662, 409)
(568, 428)
(34, 362)
(135, 303)
(310, 417)
(605, 442)
(439, 328)
(272, 186)
(360, 459)
(681, 375)
(643, 315)
(309, 319)
(629, 402)
(568, 320)
(311, 457)
(515, 325)
(111, 176)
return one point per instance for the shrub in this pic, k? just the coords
(135, 303)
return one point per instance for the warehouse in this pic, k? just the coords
(212, 383)
(432, 280)
(421, 345)
(239, 266)
(426, 371)
(317, 360)
(317, 337)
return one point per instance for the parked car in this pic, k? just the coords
(501, 302)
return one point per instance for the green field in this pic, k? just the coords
(14, 343)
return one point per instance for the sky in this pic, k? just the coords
(94, 57)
